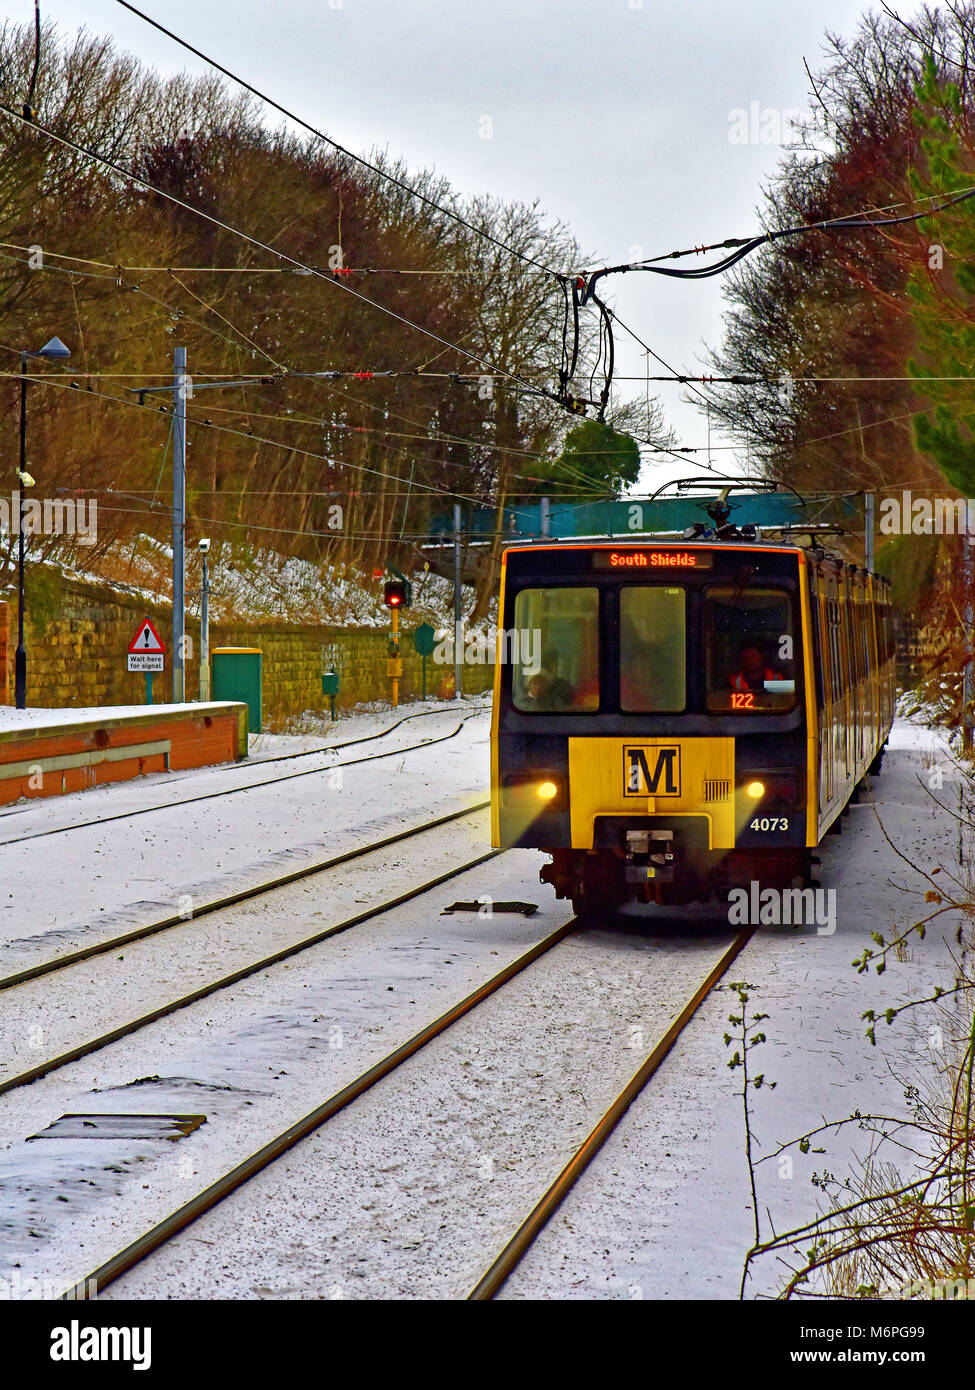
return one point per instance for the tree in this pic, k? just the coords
(942, 289)
(467, 329)
(596, 460)
(824, 319)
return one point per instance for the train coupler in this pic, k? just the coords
(650, 856)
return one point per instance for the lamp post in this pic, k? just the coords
(204, 549)
(182, 390)
(53, 350)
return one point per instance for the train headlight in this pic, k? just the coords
(535, 792)
(774, 786)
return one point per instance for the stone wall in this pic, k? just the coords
(78, 635)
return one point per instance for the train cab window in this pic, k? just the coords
(750, 650)
(555, 666)
(653, 649)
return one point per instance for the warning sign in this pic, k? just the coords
(146, 650)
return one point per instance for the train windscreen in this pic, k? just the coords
(557, 665)
(653, 649)
(749, 645)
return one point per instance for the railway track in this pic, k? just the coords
(242, 895)
(251, 786)
(538, 1218)
(181, 1217)
(352, 742)
(253, 967)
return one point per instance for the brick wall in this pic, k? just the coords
(76, 652)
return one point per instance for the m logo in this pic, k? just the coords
(662, 780)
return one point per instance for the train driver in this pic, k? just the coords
(545, 691)
(752, 672)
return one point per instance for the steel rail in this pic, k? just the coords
(252, 761)
(230, 791)
(349, 743)
(496, 1274)
(98, 948)
(164, 1010)
(99, 1279)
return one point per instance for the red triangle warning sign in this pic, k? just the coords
(146, 639)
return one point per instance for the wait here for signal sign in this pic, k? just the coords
(146, 650)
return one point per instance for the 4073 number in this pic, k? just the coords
(768, 823)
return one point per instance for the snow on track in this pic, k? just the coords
(60, 892)
(415, 1187)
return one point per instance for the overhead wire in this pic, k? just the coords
(173, 310)
(287, 373)
(115, 267)
(659, 448)
(340, 465)
(272, 250)
(561, 396)
(232, 326)
(744, 246)
(739, 246)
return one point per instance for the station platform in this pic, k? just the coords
(49, 752)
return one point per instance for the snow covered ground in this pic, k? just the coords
(412, 1190)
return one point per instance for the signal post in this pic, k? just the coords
(397, 594)
(394, 666)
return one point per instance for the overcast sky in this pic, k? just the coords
(615, 114)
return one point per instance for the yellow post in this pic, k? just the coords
(395, 664)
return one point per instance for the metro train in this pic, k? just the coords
(683, 717)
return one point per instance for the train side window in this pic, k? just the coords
(847, 640)
(825, 655)
(836, 670)
(653, 649)
(750, 650)
(555, 666)
(816, 637)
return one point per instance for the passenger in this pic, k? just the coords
(752, 671)
(547, 691)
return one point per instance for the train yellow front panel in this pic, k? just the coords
(652, 776)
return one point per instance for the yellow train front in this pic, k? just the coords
(675, 719)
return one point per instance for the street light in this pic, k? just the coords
(53, 350)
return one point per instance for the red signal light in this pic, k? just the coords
(394, 593)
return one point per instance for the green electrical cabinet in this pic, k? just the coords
(237, 676)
